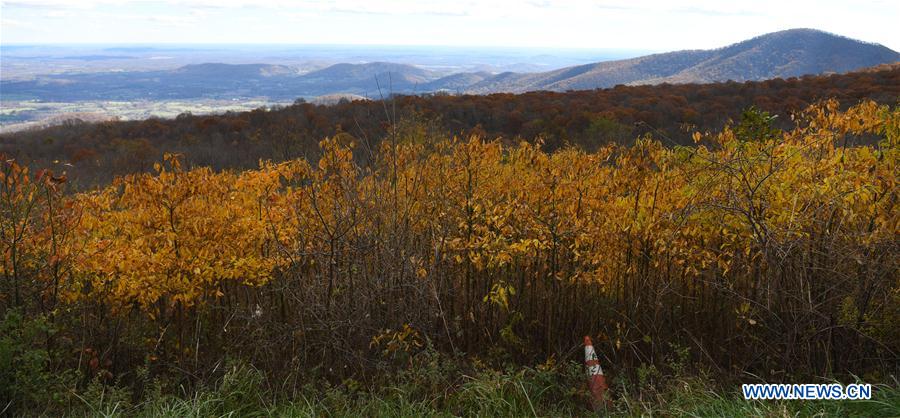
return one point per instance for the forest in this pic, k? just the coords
(724, 233)
(585, 119)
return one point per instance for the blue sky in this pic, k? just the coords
(650, 25)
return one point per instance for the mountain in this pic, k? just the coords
(223, 81)
(226, 71)
(456, 82)
(370, 79)
(783, 54)
(790, 53)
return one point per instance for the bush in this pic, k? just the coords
(27, 381)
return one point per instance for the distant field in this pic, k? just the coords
(21, 115)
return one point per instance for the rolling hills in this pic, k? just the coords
(784, 54)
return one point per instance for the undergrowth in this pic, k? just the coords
(435, 385)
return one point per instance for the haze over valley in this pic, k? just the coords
(44, 85)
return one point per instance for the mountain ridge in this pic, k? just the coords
(783, 54)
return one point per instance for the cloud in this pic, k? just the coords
(385, 7)
(54, 4)
(485, 9)
(174, 21)
(652, 24)
(18, 24)
(715, 12)
(59, 14)
(381, 7)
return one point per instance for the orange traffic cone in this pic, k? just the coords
(597, 381)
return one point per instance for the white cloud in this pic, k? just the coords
(172, 20)
(648, 24)
(53, 4)
(12, 23)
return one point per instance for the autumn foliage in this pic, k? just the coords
(585, 119)
(766, 253)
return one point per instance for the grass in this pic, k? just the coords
(694, 397)
(439, 391)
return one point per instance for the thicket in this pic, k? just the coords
(754, 254)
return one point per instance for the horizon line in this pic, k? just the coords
(290, 44)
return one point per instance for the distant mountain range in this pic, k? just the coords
(789, 53)
(782, 54)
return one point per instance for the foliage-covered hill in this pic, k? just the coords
(755, 254)
(222, 72)
(790, 53)
(783, 54)
(585, 119)
(361, 79)
(222, 81)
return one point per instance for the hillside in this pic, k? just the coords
(784, 54)
(222, 81)
(585, 118)
(438, 276)
(365, 79)
(446, 255)
(231, 71)
(456, 82)
(525, 208)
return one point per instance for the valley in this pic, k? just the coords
(32, 98)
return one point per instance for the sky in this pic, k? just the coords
(656, 25)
